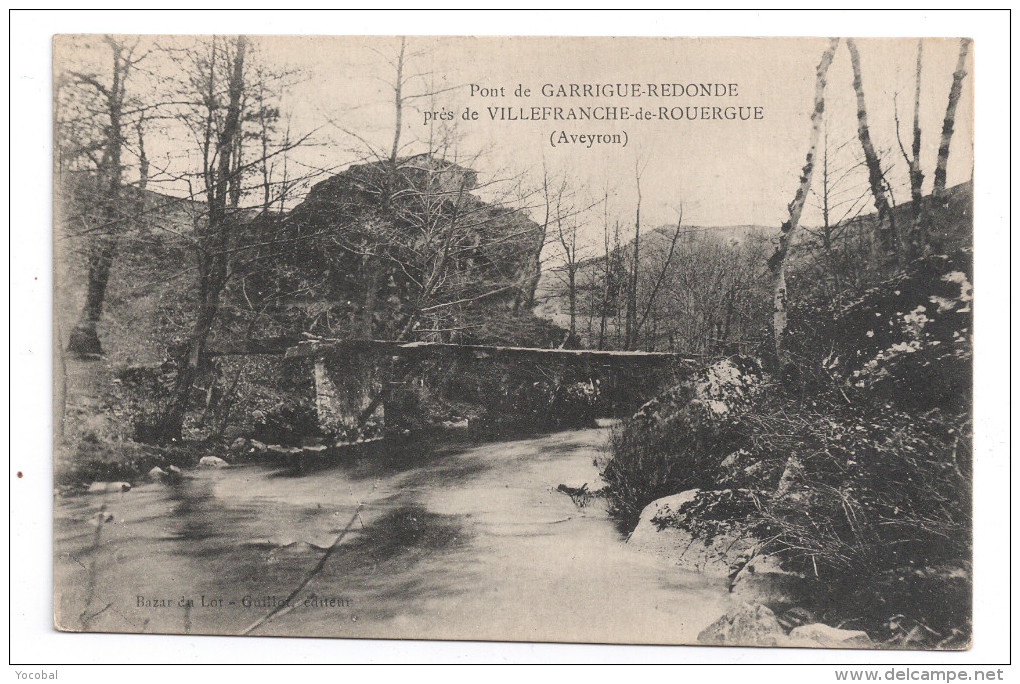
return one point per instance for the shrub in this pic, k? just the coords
(652, 460)
(865, 490)
(677, 441)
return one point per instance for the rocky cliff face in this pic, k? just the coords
(392, 237)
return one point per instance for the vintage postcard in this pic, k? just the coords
(599, 340)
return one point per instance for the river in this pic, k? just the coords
(454, 541)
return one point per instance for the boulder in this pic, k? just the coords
(709, 395)
(791, 487)
(823, 636)
(795, 617)
(212, 462)
(108, 487)
(750, 624)
(745, 625)
(763, 580)
(736, 460)
(743, 469)
(239, 446)
(660, 531)
(156, 474)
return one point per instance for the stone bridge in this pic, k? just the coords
(355, 379)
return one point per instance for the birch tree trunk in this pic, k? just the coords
(777, 262)
(886, 228)
(939, 189)
(918, 233)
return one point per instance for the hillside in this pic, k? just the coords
(952, 229)
(150, 278)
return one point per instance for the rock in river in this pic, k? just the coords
(745, 625)
(655, 533)
(212, 462)
(829, 637)
(157, 474)
(108, 487)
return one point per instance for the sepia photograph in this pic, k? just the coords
(592, 340)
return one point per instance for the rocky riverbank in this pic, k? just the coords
(832, 494)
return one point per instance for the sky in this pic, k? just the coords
(719, 172)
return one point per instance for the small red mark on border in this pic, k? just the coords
(20, 474)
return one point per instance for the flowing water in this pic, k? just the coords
(449, 542)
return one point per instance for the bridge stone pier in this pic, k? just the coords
(346, 384)
(356, 379)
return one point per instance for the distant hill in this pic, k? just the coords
(952, 228)
(551, 297)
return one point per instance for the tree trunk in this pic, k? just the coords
(172, 422)
(371, 280)
(939, 189)
(604, 305)
(526, 300)
(143, 158)
(83, 341)
(221, 185)
(398, 102)
(886, 228)
(630, 336)
(572, 284)
(777, 263)
(918, 238)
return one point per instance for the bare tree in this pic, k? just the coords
(630, 333)
(777, 262)
(886, 228)
(918, 237)
(219, 94)
(840, 197)
(612, 251)
(113, 99)
(663, 270)
(216, 118)
(566, 234)
(533, 274)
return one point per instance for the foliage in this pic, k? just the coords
(858, 455)
(676, 441)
